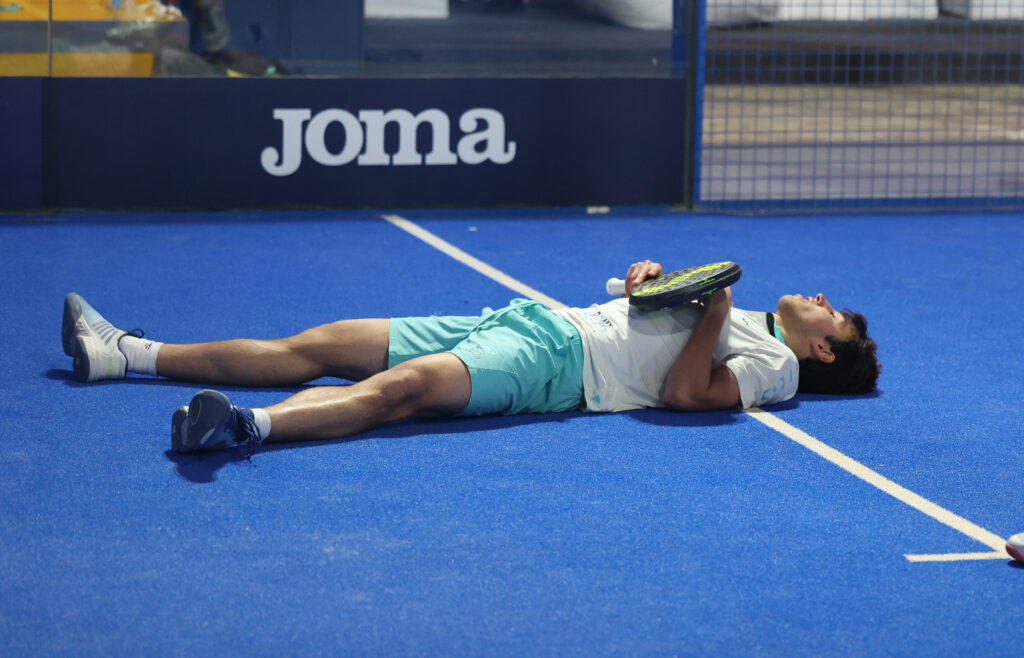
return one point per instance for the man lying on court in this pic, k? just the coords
(523, 358)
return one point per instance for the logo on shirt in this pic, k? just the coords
(771, 393)
(598, 318)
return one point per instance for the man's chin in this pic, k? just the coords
(787, 301)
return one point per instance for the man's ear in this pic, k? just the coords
(822, 350)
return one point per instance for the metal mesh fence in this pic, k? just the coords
(862, 103)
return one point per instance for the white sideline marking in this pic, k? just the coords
(958, 557)
(475, 263)
(827, 452)
(901, 494)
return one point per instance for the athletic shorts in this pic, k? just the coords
(521, 359)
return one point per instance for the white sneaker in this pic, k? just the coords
(1015, 547)
(91, 341)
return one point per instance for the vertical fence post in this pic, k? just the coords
(49, 40)
(687, 58)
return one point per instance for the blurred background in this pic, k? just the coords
(759, 104)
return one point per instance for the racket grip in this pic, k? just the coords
(615, 286)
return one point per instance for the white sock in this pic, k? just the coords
(141, 354)
(262, 420)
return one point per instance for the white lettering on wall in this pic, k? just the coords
(482, 139)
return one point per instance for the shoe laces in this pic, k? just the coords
(137, 333)
(247, 434)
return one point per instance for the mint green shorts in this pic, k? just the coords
(521, 359)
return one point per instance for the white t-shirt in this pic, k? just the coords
(627, 354)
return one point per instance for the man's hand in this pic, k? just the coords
(719, 302)
(640, 272)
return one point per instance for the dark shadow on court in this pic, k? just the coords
(455, 426)
(817, 397)
(68, 378)
(202, 467)
(666, 418)
(464, 426)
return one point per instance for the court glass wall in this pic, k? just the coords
(489, 38)
(863, 103)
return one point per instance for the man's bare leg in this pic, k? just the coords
(349, 349)
(426, 387)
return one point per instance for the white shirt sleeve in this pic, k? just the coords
(763, 381)
(766, 370)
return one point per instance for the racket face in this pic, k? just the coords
(683, 286)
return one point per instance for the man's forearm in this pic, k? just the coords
(689, 381)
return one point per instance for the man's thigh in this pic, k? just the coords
(410, 338)
(347, 349)
(520, 359)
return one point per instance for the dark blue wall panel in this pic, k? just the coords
(197, 143)
(21, 147)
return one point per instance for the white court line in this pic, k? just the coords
(873, 478)
(827, 452)
(483, 268)
(958, 557)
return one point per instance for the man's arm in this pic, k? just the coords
(694, 383)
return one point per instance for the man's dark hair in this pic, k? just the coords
(855, 369)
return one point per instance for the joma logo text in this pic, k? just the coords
(482, 139)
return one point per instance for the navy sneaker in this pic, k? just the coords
(211, 422)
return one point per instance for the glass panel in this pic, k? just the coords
(24, 37)
(863, 102)
(114, 38)
(410, 38)
(520, 38)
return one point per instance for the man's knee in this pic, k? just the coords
(435, 385)
(349, 349)
(300, 352)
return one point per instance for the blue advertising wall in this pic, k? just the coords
(214, 143)
(21, 147)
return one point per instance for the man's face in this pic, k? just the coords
(813, 316)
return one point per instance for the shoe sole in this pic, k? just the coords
(74, 344)
(80, 366)
(69, 338)
(68, 335)
(204, 418)
(177, 419)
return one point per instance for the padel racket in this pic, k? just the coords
(680, 286)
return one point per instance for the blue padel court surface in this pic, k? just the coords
(853, 526)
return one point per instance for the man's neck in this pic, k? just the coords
(780, 330)
(791, 340)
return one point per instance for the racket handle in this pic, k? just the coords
(615, 286)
